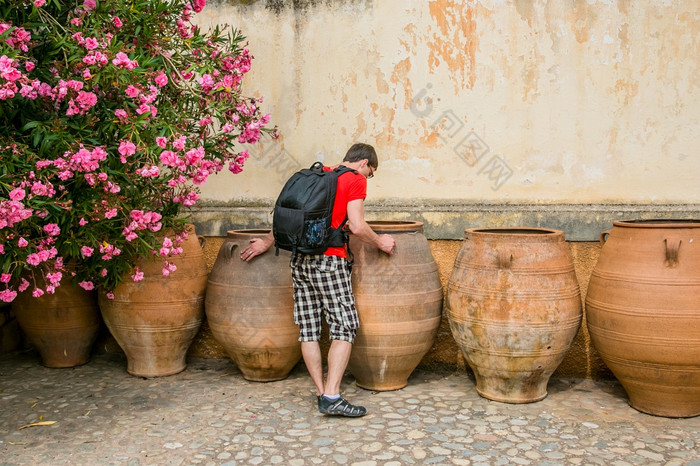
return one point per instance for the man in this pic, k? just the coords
(322, 285)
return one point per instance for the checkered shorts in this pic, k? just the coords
(322, 286)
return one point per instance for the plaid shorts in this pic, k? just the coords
(322, 286)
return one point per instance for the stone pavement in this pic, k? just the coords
(210, 415)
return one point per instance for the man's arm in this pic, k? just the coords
(359, 227)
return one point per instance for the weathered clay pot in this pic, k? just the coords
(249, 308)
(155, 320)
(643, 313)
(399, 302)
(514, 307)
(62, 326)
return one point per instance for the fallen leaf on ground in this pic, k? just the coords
(42, 423)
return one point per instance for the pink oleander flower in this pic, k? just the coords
(117, 22)
(235, 167)
(17, 194)
(138, 275)
(87, 285)
(7, 295)
(179, 143)
(86, 251)
(126, 148)
(132, 91)
(122, 60)
(54, 278)
(143, 108)
(91, 43)
(52, 229)
(198, 5)
(161, 80)
(168, 268)
(169, 158)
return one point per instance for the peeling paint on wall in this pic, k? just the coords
(455, 41)
(512, 101)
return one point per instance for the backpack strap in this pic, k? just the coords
(340, 170)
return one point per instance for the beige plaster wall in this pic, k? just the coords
(578, 101)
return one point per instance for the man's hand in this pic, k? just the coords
(257, 246)
(386, 244)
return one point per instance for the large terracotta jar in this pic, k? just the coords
(155, 320)
(514, 307)
(643, 313)
(399, 302)
(249, 308)
(62, 326)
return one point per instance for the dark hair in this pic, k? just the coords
(360, 151)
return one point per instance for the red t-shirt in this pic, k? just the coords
(351, 186)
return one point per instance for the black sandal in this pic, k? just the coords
(340, 407)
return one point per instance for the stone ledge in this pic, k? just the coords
(448, 220)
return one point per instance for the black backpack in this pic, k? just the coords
(301, 220)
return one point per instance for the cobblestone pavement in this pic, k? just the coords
(210, 415)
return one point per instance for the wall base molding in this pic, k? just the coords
(448, 220)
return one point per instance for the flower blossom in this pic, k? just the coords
(126, 148)
(161, 79)
(108, 251)
(198, 5)
(52, 229)
(8, 295)
(179, 143)
(170, 158)
(137, 275)
(23, 285)
(168, 268)
(87, 285)
(81, 104)
(132, 91)
(122, 60)
(91, 43)
(17, 194)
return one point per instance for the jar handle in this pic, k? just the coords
(202, 241)
(229, 248)
(672, 247)
(505, 260)
(604, 237)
